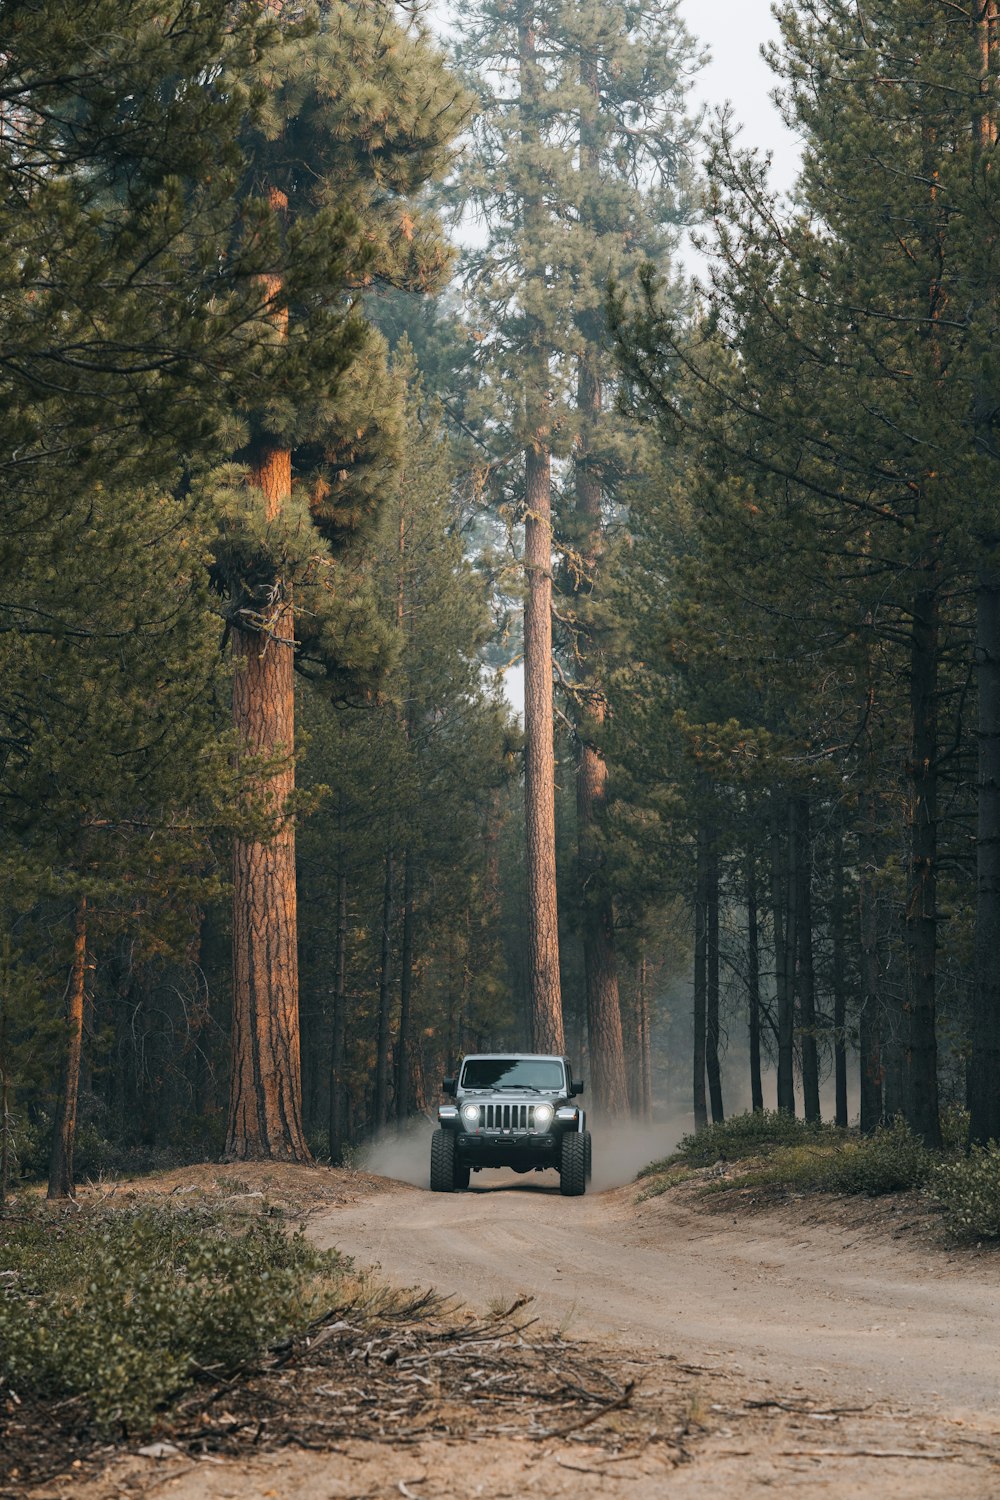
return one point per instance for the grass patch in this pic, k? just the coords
(740, 1138)
(781, 1153)
(657, 1185)
(123, 1308)
(891, 1161)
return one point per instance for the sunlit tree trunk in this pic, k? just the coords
(265, 1101)
(61, 1182)
(539, 770)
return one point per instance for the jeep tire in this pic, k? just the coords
(444, 1168)
(588, 1155)
(573, 1165)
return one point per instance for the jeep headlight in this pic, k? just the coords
(543, 1116)
(470, 1114)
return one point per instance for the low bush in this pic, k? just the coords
(740, 1137)
(968, 1192)
(125, 1307)
(893, 1160)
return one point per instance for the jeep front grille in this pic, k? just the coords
(506, 1117)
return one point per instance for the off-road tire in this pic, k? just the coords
(573, 1165)
(443, 1164)
(588, 1155)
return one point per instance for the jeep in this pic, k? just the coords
(511, 1109)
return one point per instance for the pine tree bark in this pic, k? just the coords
(539, 762)
(806, 977)
(753, 985)
(984, 1062)
(604, 1021)
(338, 1048)
(5, 1113)
(783, 980)
(919, 1081)
(983, 1077)
(645, 1042)
(701, 878)
(712, 1032)
(402, 1081)
(265, 1093)
(544, 984)
(838, 978)
(381, 1102)
(61, 1182)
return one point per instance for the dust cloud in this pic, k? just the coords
(620, 1151)
(404, 1155)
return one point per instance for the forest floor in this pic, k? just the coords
(682, 1346)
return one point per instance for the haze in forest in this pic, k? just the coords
(288, 476)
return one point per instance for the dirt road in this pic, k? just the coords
(801, 1352)
(842, 1311)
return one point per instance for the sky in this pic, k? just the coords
(733, 31)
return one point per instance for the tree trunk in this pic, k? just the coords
(806, 979)
(984, 1062)
(539, 753)
(645, 1042)
(381, 1105)
(983, 1079)
(604, 1022)
(920, 1087)
(712, 1033)
(839, 978)
(338, 1049)
(265, 1098)
(701, 877)
(405, 995)
(753, 986)
(783, 980)
(869, 1016)
(5, 1114)
(61, 1183)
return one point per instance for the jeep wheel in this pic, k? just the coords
(443, 1163)
(588, 1155)
(573, 1165)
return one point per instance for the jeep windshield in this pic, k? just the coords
(537, 1075)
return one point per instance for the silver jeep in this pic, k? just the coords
(511, 1109)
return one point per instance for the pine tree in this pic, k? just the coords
(360, 115)
(576, 178)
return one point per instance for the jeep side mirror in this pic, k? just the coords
(449, 1086)
(576, 1088)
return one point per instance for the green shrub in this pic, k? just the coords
(968, 1191)
(124, 1307)
(742, 1136)
(893, 1160)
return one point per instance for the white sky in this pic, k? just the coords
(733, 31)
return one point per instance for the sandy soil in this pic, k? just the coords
(813, 1357)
